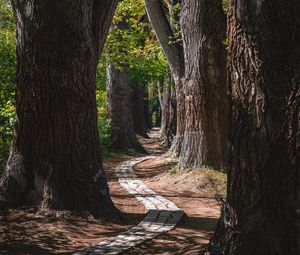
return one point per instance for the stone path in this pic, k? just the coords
(162, 214)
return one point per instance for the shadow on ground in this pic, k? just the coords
(26, 233)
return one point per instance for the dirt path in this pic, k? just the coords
(27, 231)
(202, 211)
(162, 214)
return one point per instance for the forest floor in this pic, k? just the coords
(28, 231)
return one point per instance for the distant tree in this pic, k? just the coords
(120, 110)
(134, 49)
(138, 110)
(167, 99)
(119, 91)
(261, 214)
(164, 30)
(55, 160)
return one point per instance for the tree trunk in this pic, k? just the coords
(164, 93)
(262, 209)
(138, 113)
(56, 153)
(180, 118)
(168, 119)
(206, 105)
(119, 106)
(148, 115)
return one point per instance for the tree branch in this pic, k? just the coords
(172, 51)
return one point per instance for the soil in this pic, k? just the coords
(28, 231)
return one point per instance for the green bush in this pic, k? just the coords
(7, 80)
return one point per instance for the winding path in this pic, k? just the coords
(162, 214)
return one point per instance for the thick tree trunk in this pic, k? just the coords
(120, 110)
(206, 105)
(56, 153)
(138, 113)
(262, 209)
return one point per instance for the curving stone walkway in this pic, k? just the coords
(162, 214)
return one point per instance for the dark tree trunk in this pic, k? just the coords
(119, 110)
(56, 153)
(155, 109)
(164, 99)
(138, 113)
(157, 122)
(147, 108)
(206, 104)
(262, 209)
(180, 118)
(168, 105)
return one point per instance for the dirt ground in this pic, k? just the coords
(202, 211)
(28, 231)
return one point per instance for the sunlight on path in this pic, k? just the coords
(162, 214)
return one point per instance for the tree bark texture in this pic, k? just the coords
(138, 111)
(262, 209)
(120, 110)
(56, 154)
(180, 118)
(168, 105)
(205, 140)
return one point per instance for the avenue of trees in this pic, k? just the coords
(220, 79)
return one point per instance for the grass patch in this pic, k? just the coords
(214, 180)
(173, 170)
(205, 179)
(173, 164)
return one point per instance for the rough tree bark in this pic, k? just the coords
(120, 110)
(56, 154)
(203, 25)
(138, 113)
(261, 215)
(174, 55)
(168, 108)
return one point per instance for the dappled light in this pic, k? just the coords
(149, 127)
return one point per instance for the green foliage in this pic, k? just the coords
(7, 79)
(173, 170)
(101, 73)
(225, 5)
(103, 121)
(132, 45)
(174, 20)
